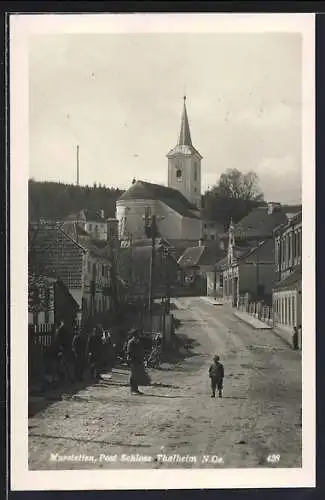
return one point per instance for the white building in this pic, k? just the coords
(91, 221)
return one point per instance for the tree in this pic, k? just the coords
(235, 195)
(235, 184)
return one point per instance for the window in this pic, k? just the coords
(103, 270)
(293, 308)
(47, 306)
(221, 280)
(90, 227)
(289, 248)
(179, 174)
(212, 236)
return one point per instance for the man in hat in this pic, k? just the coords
(135, 358)
(216, 374)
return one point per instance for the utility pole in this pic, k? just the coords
(77, 164)
(153, 231)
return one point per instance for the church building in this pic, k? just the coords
(177, 206)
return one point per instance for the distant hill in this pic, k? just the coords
(54, 200)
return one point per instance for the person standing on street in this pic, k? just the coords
(95, 346)
(295, 341)
(216, 374)
(63, 341)
(135, 357)
(79, 351)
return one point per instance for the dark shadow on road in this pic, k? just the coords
(184, 348)
(163, 396)
(41, 399)
(165, 386)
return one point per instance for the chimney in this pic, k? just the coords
(271, 206)
(102, 213)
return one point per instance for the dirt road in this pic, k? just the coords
(176, 423)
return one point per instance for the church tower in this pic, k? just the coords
(184, 164)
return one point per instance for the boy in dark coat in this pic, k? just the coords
(216, 374)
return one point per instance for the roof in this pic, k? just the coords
(142, 190)
(263, 252)
(238, 252)
(88, 215)
(294, 219)
(200, 256)
(55, 253)
(290, 281)
(259, 224)
(184, 145)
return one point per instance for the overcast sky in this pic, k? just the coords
(119, 96)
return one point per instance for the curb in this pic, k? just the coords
(250, 324)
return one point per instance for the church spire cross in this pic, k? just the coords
(185, 134)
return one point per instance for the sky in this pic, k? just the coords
(120, 97)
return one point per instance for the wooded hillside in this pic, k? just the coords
(53, 200)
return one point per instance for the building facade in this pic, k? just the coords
(82, 267)
(287, 293)
(94, 223)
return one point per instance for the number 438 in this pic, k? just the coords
(273, 459)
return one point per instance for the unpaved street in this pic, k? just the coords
(176, 423)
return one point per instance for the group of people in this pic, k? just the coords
(74, 354)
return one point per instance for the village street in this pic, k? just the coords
(256, 424)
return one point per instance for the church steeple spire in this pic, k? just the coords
(185, 134)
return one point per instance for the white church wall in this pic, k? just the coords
(130, 215)
(171, 225)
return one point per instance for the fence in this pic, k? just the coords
(258, 310)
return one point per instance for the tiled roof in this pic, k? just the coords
(263, 252)
(291, 280)
(191, 257)
(201, 256)
(238, 252)
(86, 214)
(142, 190)
(295, 219)
(259, 224)
(56, 254)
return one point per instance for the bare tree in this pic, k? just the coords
(235, 184)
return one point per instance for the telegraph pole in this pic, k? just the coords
(153, 231)
(77, 165)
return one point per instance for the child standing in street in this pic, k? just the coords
(216, 374)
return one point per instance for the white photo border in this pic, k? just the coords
(21, 27)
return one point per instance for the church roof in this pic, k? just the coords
(142, 190)
(184, 145)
